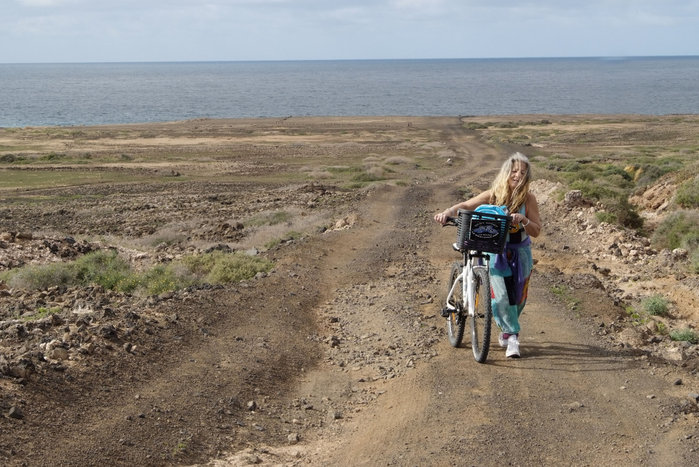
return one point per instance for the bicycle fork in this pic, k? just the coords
(466, 279)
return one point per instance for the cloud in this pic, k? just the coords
(73, 30)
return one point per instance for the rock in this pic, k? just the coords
(251, 406)
(58, 353)
(15, 413)
(293, 438)
(252, 459)
(586, 281)
(22, 369)
(679, 254)
(574, 198)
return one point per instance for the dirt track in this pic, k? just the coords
(338, 358)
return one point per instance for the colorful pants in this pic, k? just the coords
(509, 282)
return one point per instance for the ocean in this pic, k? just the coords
(108, 93)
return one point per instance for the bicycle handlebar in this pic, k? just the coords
(454, 221)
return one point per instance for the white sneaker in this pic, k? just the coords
(512, 347)
(501, 340)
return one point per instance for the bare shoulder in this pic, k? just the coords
(531, 198)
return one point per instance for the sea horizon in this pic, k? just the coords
(562, 57)
(96, 93)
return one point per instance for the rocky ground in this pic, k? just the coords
(277, 369)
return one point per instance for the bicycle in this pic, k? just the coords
(478, 233)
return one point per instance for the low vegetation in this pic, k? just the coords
(685, 335)
(655, 305)
(112, 272)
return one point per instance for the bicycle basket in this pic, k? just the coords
(482, 231)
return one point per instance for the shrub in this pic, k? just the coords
(687, 194)
(604, 216)
(37, 277)
(218, 267)
(624, 212)
(686, 335)
(107, 269)
(41, 313)
(104, 268)
(647, 174)
(679, 229)
(655, 305)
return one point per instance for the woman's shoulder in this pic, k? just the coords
(530, 198)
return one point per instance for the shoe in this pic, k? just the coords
(512, 347)
(501, 340)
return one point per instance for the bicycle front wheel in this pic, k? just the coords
(481, 320)
(456, 321)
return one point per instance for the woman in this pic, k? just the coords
(510, 271)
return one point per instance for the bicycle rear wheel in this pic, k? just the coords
(481, 320)
(456, 321)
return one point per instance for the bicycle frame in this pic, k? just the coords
(472, 260)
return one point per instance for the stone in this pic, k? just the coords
(15, 413)
(574, 198)
(679, 254)
(58, 353)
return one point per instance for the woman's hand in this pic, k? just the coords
(442, 216)
(518, 218)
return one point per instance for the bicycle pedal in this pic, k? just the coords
(445, 312)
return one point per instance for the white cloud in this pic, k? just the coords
(75, 30)
(48, 3)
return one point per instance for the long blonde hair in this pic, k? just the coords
(501, 194)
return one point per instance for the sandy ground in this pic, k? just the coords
(337, 356)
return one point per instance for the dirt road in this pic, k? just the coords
(338, 357)
(571, 400)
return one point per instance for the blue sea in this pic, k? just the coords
(106, 93)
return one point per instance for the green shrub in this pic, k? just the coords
(236, 268)
(686, 335)
(687, 194)
(624, 212)
(648, 174)
(161, 279)
(41, 313)
(219, 268)
(104, 268)
(110, 271)
(364, 177)
(679, 230)
(591, 189)
(656, 305)
(36, 277)
(604, 216)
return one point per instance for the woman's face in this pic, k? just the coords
(518, 174)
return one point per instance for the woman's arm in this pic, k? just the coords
(531, 222)
(468, 205)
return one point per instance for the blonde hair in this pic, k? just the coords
(502, 194)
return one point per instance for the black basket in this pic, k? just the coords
(482, 231)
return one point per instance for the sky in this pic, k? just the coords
(40, 31)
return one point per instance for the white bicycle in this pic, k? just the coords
(468, 295)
